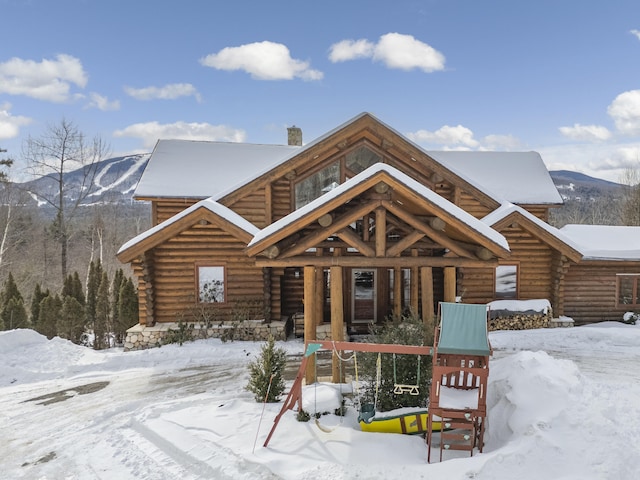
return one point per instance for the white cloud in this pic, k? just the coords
(501, 142)
(9, 124)
(452, 137)
(351, 50)
(167, 92)
(395, 50)
(102, 103)
(150, 132)
(588, 133)
(636, 33)
(603, 160)
(49, 80)
(263, 61)
(406, 53)
(625, 112)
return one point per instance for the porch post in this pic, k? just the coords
(309, 320)
(397, 292)
(337, 320)
(415, 286)
(450, 284)
(426, 284)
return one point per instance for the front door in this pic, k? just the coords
(363, 300)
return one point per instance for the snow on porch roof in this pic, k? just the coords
(417, 187)
(518, 177)
(209, 204)
(605, 242)
(200, 169)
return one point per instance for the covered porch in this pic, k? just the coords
(381, 220)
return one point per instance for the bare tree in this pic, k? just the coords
(60, 150)
(631, 203)
(6, 216)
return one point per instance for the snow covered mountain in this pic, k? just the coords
(115, 181)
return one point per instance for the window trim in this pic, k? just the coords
(635, 290)
(200, 265)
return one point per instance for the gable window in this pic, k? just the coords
(361, 158)
(211, 284)
(506, 284)
(317, 184)
(628, 289)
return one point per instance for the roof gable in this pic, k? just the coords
(226, 170)
(207, 210)
(458, 222)
(509, 213)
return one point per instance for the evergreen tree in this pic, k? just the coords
(118, 278)
(127, 309)
(266, 373)
(73, 288)
(70, 324)
(398, 369)
(36, 299)
(93, 283)
(101, 324)
(50, 308)
(12, 314)
(10, 291)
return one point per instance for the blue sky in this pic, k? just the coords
(560, 77)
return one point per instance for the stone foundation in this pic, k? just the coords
(140, 337)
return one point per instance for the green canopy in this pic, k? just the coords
(463, 329)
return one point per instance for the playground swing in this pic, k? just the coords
(315, 390)
(400, 388)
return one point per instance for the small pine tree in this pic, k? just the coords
(14, 315)
(73, 288)
(50, 308)
(266, 372)
(93, 283)
(118, 278)
(70, 324)
(10, 291)
(127, 309)
(36, 299)
(12, 311)
(101, 323)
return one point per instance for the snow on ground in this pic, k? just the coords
(563, 404)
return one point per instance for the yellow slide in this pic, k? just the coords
(404, 420)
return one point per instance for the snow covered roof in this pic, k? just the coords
(200, 169)
(507, 209)
(517, 177)
(208, 204)
(605, 242)
(424, 192)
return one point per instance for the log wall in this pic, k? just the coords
(175, 271)
(534, 259)
(590, 291)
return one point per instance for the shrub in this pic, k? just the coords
(631, 318)
(404, 369)
(266, 380)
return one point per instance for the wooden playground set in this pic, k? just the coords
(457, 407)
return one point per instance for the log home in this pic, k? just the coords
(358, 225)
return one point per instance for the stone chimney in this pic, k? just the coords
(294, 135)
